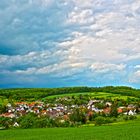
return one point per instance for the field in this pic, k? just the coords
(93, 94)
(3, 100)
(130, 131)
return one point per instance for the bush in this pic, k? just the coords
(132, 117)
(99, 120)
(102, 120)
(78, 116)
(129, 117)
(6, 122)
(126, 118)
(109, 120)
(41, 122)
(28, 121)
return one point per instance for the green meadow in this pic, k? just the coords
(129, 131)
(94, 95)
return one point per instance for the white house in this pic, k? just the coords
(16, 124)
(130, 112)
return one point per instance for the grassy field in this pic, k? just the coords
(3, 100)
(93, 94)
(129, 131)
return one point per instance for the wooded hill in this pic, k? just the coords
(39, 93)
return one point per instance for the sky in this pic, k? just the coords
(58, 43)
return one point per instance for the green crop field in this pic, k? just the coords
(93, 94)
(3, 100)
(129, 131)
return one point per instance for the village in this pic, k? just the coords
(63, 112)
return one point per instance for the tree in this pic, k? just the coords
(78, 116)
(114, 111)
(5, 122)
(28, 121)
(2, 108)
(44, 121)
(100, 105)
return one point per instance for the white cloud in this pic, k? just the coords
(105, 68)
(135, 77)
(137, 67)
(81, 17)
(83, 3)
(70, 38)
(94, 49)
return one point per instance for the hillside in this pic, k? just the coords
(39, 93)
(67, 107)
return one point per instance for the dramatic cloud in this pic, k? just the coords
(49, 43)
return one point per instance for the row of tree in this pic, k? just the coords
(39, 93)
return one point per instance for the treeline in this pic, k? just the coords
(39, 93)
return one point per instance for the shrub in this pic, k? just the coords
(28, 121)
(132, 117)
(125, 118)
(102, 120)
(109, 120)
(78, 116)
(129, 117)
(5, 122)
(99, 120)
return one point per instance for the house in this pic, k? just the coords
(8, 115)
(91, 102)
(108, 104)
(120, 110)
(22, 112)
(131, 107)
(90, 113)
(16, 124)
(43, 112)
(65, 117)
(36, 110)
(131, 112)
(107, 110)
(97, 110)
(9, 105)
